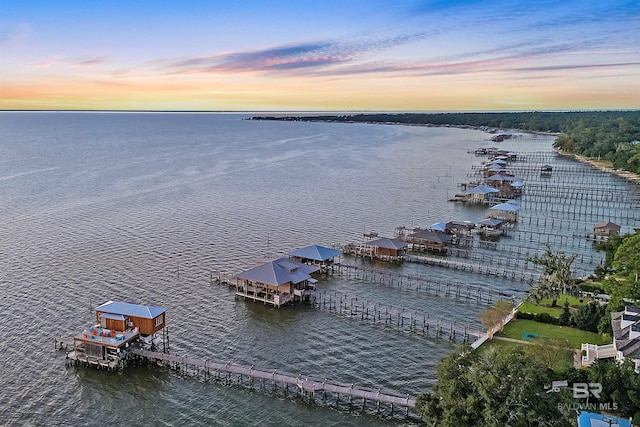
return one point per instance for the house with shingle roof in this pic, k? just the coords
(626, 339)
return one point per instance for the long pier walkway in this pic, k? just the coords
(422, 283)
(396, 317)
(271, 379)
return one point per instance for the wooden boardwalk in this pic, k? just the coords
(301, 384)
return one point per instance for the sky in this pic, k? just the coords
(329, 55)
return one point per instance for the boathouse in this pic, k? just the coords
(383, 249)
(480, 194)
(504, 211)
(606, 229)
(277, 282)
(319, 256)
(492, 227)
(118, 325)
(430, 240)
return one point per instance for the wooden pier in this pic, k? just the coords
(396, 317)
(308, 388)
(421, 283)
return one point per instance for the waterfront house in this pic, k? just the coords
(278, 282)
(626, 339)
(118, 325)
(317, 255)
(606, 229)
(546, 170)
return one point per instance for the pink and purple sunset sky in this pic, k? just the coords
(321, 55)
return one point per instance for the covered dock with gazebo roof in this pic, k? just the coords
(277, 282)
(504, 211)
(480, 193)
(317, 255)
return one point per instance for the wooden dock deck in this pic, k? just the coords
(302, 384)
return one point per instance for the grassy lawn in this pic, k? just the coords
(573, 301)
(530, 307)
(575, 337)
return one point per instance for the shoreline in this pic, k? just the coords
(629, 176)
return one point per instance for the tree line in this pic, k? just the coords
(606, 135)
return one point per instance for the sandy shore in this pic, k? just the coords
(629, 176)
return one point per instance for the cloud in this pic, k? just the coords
(76, 62)
(13, 36)
(290, 58)
(563, 67)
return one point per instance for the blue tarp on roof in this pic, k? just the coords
(438, 226)
(387, 243)
(134, 310)
(517, 184)
(279, 272)
(316, 253)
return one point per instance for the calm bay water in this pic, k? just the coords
(146, 208)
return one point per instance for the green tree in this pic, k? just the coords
(626, 260)
(588, 316)
(495, 388)
(566, 318)
(609, 248)
(556, 277)
(620, 385)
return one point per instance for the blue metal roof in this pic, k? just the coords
(507, 207)
(316, 253)
(278, 272)
(112, 316)
(134, 310)
(482, 189)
